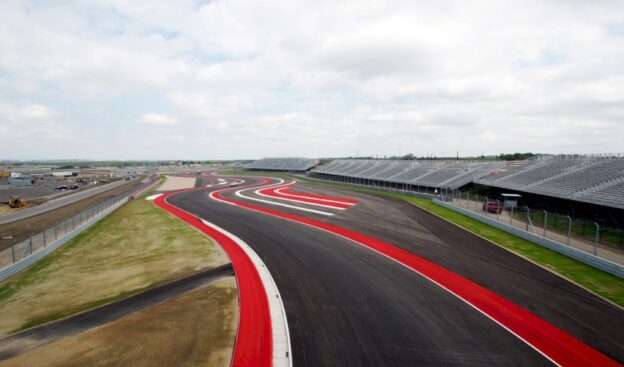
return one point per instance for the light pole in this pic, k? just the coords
(545, 219)
(569, 229)
(597, 238)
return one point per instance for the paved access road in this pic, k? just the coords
(57, 203)
(349, 306)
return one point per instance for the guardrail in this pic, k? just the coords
(561, 248)
(21, 255)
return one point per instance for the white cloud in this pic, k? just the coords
(35, 112)
(316, 78)
(157, 119)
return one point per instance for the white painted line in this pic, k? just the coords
(218, 184)
(258, 192)
(153, 197)
(282, 354)
(282, 204)
(307, 197)
(238, 193)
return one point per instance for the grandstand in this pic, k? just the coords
(283, 164)
(589, 179)
(431, 173)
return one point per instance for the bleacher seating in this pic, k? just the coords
(438, 174)
(283, 164)
(596, 180)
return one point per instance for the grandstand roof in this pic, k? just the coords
(451, 174)
(592, 179)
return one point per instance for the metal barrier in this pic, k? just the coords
(561, 248)
(23, 254)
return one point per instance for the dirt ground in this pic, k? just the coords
(137, 247)
(177, 183)
(20, 230)
(197, 329)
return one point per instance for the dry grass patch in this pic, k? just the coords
(196, 329)
(137, 247)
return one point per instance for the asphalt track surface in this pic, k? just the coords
(320, 274)
(39, 336)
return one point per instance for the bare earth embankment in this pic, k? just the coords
(135, 249)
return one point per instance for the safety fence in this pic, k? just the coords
(599, 259)
(562, 227)
(25, 253)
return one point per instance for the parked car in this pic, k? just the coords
(61, 188)
(493, 207)
(74, 187)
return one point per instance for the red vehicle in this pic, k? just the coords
(493, 207)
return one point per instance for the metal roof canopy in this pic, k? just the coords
(511, 195)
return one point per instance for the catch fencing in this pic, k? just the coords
(27, 252)
(561, 232)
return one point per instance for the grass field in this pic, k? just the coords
(133, 249)
(196, 329)
(602, 283)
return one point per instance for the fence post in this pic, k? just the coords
(30, 244)
(44, 240)
(569, 229)
(511, 215)
(498, 211)
(545, 219)
(55, 233)
(528, 220)
(597, 238)
(13, 253)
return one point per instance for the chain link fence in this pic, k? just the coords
(39, 241)
(590, 236)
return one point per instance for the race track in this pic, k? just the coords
(349, 306)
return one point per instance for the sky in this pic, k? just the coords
(235, 79)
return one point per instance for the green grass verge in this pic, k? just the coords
(600, 282)
(137, 247)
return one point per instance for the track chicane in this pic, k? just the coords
(552, 342)
(284, 192)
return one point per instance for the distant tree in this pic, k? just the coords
(516, 156)
(408, 157)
